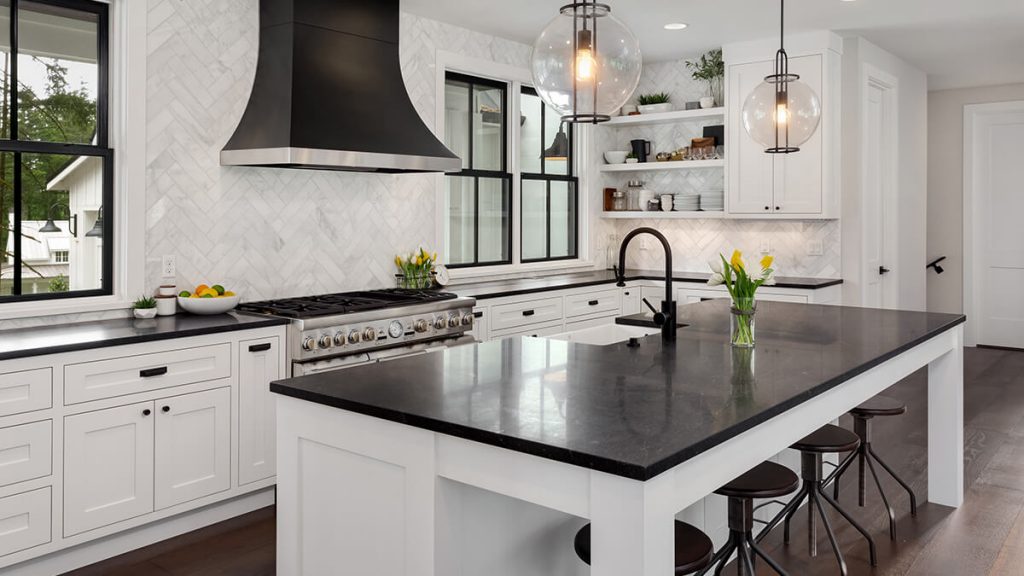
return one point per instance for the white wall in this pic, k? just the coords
(945, 186)
(911, 165)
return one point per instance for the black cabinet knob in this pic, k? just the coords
(147, 412)
(882, 270)
(767, 207)
(166, 408)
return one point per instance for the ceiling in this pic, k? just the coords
(958, 43)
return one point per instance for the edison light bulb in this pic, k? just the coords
(585, 65)
(781, 114)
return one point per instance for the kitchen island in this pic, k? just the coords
(380, 466)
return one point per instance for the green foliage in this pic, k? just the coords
(708, 67)
(144, 303)
(648, 99)
(60, 284)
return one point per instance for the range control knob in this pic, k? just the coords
(453, 320)
(353, 337)
(440, 323)
(421, 325)
(326, 341)
(308, 343)
(467, 319)
(369, 335)
(340, 339)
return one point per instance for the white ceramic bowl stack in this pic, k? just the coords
(686, 202)
(712, 201)
(615, 156)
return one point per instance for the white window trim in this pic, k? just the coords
(517, 77)
(127, 67)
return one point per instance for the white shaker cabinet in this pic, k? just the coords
(108, 466)
(259, 363)
(193, 446)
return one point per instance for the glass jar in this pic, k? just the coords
(618, 201)
(633, 190)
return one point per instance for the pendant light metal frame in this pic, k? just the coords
(781, 79)
(585, 11)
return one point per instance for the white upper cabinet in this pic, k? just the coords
(804, 184)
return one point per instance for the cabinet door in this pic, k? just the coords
(193, 446)
(798, 177)
(108, 466)
(481, 316)
(259, 364)
(631, 301)
(750, 169)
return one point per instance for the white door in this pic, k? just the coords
(878, 191)
(798, 176)
(193, 446)
(259, 364)
(108, 466)
(994, 193)
(750, 169)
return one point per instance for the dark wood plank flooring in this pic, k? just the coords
(985, 537)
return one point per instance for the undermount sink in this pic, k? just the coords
(605, 335)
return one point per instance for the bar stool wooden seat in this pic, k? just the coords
(693, 547)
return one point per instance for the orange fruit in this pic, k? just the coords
(202, 287)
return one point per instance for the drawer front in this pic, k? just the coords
(26, 391)
(26, 452)
(133, 374)
(533, 331)
(590, 323)
(531, 312)
(605, 301)
(24, 521)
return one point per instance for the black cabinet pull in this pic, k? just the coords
(528, 312)
(147, 412)
(625, 293)
(151, 372)
(767, 207)
(166, 408)
(478, 314)
(882, 270)
(260, 347)
(777, 208)
(593, 303)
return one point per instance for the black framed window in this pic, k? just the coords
(56, 166)
(549, 198)
(479, 197)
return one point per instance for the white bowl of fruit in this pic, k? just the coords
(207, 300)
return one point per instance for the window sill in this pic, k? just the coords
(493, 272)
(18, 310)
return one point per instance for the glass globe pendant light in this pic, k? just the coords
(783, 112)
(586, 63)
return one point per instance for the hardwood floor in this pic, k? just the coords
(985, 537)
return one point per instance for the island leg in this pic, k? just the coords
(946, 425)
(632, 527)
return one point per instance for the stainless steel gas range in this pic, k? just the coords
(337, 331)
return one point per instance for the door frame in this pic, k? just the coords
(973, 289)
(889, 85)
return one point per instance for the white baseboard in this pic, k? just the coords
(129, 540)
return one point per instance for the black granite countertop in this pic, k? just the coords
(633, 412)
(57, 338)
(520, 286)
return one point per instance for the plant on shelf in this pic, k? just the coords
(631, 158)
(710, 68)
(144, 307)
(416, 270)
(651, 99)
(742, 287)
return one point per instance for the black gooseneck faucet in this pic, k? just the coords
(666, 319)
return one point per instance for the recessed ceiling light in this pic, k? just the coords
(676, 26)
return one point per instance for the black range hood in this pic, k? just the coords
(329, 94)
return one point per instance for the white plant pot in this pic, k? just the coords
(707, 102)
(655, 108)
(144, 313)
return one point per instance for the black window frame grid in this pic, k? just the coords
(100, 150)
(504, 175)
(569, 177)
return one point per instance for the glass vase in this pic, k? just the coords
(741, 322)
(416, 280)
(716, 87)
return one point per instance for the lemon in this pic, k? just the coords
(219, 289)
(229, 293)
(184, 294)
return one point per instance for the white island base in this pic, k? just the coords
(363, 496)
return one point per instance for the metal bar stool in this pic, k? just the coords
(693, 547)
(826, 440)
(865, 454)
(766, 480)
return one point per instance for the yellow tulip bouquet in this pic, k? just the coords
(742, 287)
(416, 269)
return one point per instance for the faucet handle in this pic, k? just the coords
(659, 317)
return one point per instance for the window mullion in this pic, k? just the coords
(16, 230)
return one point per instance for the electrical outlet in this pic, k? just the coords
(766, 246)
(643, 243)
(815, 248)
(169, 266)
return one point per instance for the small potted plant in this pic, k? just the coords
(650, 103)
(742, 287)
(710, 68)
(631, 158)
(144, 307)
